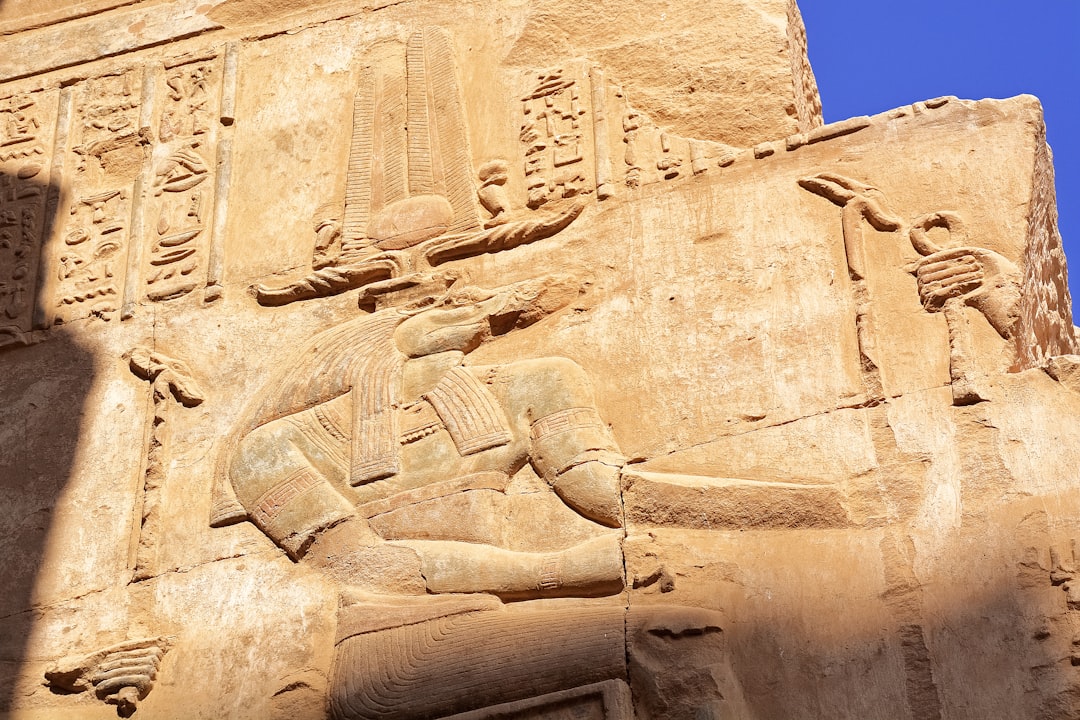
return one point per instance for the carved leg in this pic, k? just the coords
(592, 568)
(679, 667)
(471, 661)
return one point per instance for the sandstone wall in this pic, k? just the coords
(520, 360)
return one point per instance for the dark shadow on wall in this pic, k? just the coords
(45, 377)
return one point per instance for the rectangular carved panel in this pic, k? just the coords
(103, 162)
(27, 127)
(178, 220)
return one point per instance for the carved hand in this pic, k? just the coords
(980, 278)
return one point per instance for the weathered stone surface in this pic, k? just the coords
(520, 360)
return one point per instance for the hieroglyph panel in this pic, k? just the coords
(133, 163)
(27, 130)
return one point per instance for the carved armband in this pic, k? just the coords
(571, 437)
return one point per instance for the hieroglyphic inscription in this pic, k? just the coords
(25, 136)
(180, 207)
(652, 154)
(187, 110)
(107, 158)
(180, 199)
(91, 257)
(108, 122)
(21, 127)
(140, 206)
(553, 134)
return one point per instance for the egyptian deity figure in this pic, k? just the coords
(390, 408)
(383, 411)
(384, 415)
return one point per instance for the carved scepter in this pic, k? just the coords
(859, 202)
(123, 674)
(170, 381)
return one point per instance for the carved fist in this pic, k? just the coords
(980, 278)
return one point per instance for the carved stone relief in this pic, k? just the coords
(140, 159)
(26, 130)
(949, 279)
(170, 381)
(105, 160)
(451, 373)
(120, 675)
(411, 198)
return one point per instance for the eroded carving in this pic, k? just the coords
(108, 125)
(860, 202)
(1060, 631)
(653, 154)
(21, 128)
(553, 136)
(411, 200)
(949, 278)
(25, 132)
(608, 700)
(954, 277)
(20, 237)
(188, 108)
(1063, 574)
(120, 675)
(492, 193)
(170, 381)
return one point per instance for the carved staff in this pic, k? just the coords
(123, 674)
(859, 202)
(170, 382)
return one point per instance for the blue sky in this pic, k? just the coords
(872, 55)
